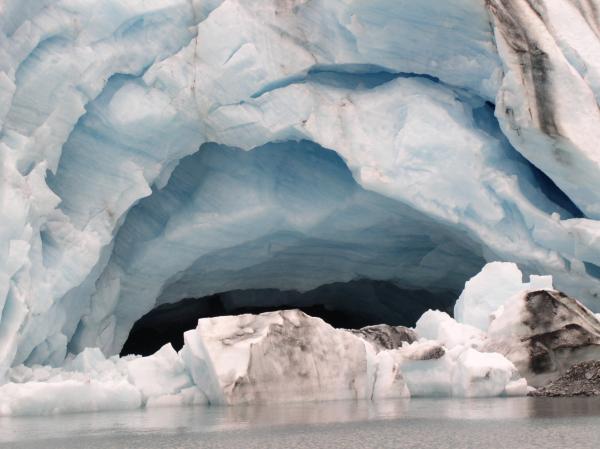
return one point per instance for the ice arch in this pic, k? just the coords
(284, 215)
(426, 133)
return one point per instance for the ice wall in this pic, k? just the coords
(124, 183)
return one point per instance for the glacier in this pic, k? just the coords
(154, 150)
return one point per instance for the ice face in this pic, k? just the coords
(227, 211)
(125, 183)
(549, 93)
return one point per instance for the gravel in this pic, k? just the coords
(582, 379)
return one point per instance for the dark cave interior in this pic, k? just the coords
(350, 305)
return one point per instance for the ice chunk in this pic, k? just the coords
(90, 359)
(91, 382)
(383, 336)
(486, 374)
(463, 372)
(449, 360)
(283, 356)
(423, 350)
(386, 379)
(67, 396)
(544, 332)
(441, 327)
(162, 379)
(496, 283)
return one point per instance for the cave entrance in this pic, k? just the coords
(349, 305)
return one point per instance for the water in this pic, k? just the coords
(419, 423)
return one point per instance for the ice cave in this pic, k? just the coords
(294, 171)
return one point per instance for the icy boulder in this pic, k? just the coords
(289, 356)
(541, 330)
(91, 382)
(439, 326)
(460, 372)
(451, 359)
(284, 356)
(544, 332)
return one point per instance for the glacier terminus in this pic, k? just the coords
(153, 151)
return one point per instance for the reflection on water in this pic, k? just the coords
(428, 422)
(200, 419)
(565, 407)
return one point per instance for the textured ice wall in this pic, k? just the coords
(100, 101)
(285, 215)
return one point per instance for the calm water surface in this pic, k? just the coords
(418, 423)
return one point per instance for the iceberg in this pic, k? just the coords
(542, 331)
(486, 292)
(283, 356)
(464, 372)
